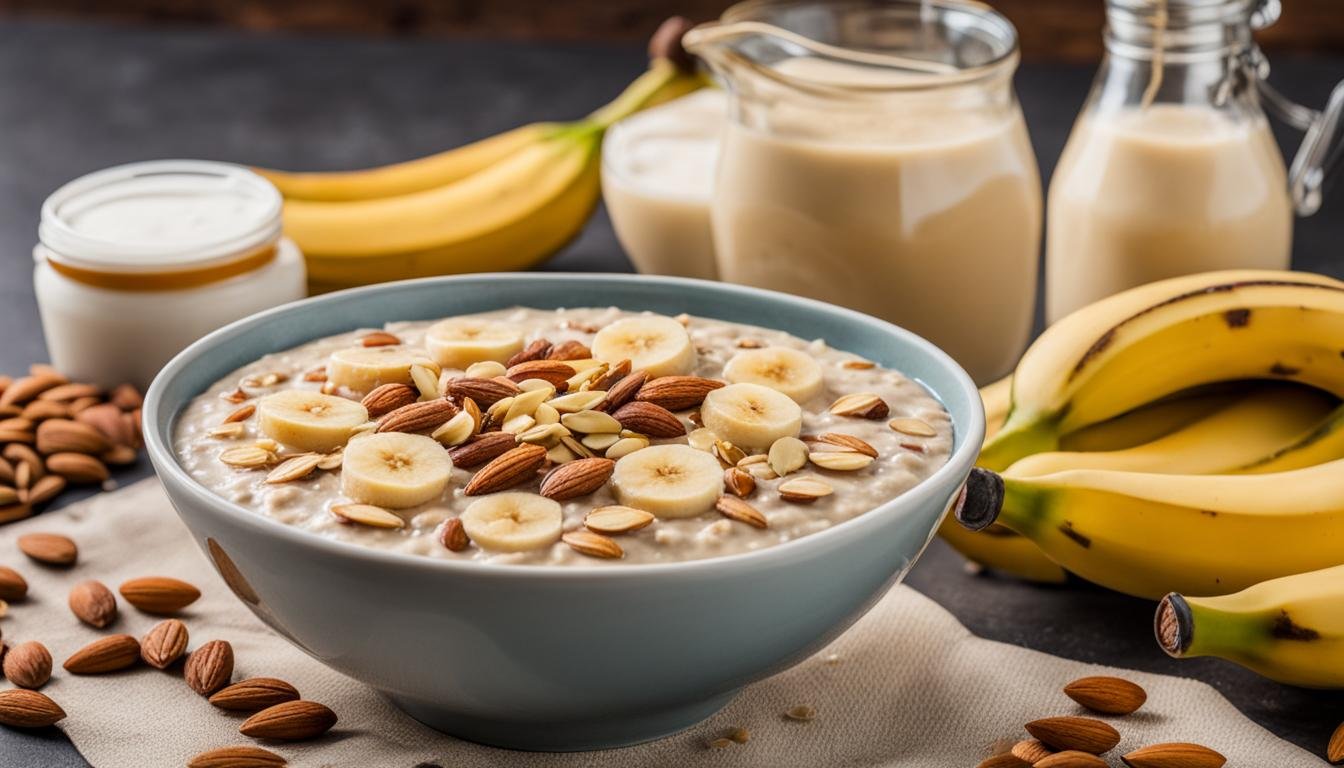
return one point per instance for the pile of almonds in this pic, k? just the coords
(1070, 741)
(55, 432)
(277, 712)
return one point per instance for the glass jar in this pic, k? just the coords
(876, 158)
(136, 262)
(1171, 168)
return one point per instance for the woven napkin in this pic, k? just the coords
(906, 686)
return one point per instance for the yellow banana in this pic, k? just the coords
(1290, 629)
(413, 175)
(1322, 444)
(1265, 422)
(1145, 533)
(1149, 422)
(1159, 339)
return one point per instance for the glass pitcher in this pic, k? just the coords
(1171, 168)
(876, 158)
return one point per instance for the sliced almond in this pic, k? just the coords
(242, 414)
(547, 435)
(575, 402)
(295, 468)
(738, 482)
(367, 514)
(626, 446)
(804, 490)
(858, 365)
(734, 508)
(615, 519)
(486, 369)
(848, 442)
(591, 422)
(230, 431)
(379, 339)
(728, 453)
(247, 457)
(456, 430)
(426, 381)
(914, 427)
(592, 544)
(860, 405)
(840, 461)
(787, 455)
(802, 712)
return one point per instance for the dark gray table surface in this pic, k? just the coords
(75, 98)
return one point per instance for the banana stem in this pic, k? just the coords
(1188, 629)
(1016, 440)
(640, 94)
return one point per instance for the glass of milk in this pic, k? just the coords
(1171, 168)
(875, 157)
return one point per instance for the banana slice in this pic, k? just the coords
(786, 370)
(669, 481)
(751, 416)
(513, 521)
(659, 345)
(460, 341)
(395, 470)
(309, 421)
(364, 369)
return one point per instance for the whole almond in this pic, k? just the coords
(1107, 695)
(535, 350)
(159, 594)
(78, 468)
(677, 393)
(649, 419)
(1005, 760)
(107, 419)
(485, 392)
(13, 587)
(1335, 751)
(13, 512)
(482, 448)
(738, 482)
(1071, 759)
(28, 709)
(419, 417)
(614, 374)
(93, 603)
(623, 391)
(379, 339)
(79, 404)
(126, 397)
(22, 390)
(577, 478)
(49, 548)
(1031, 751)
(1082, 733)
(290, 721)
(164, 643)
(453, 535)
(45, 489)
(592, 544)
(254, 694)
(64, 435)
(28, 665)
(569, 350)
(237, 757)
(386, 398)
(70, 391)
(734, 508)
(209, 667)
(106, 654)
(553, 372)
(1174, 755)
(509, 469)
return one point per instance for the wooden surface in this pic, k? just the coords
(1058, 30)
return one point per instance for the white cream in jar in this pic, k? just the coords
(136, 262)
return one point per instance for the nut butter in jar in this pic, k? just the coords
(136, 262)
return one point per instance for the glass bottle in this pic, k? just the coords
(1171, 168)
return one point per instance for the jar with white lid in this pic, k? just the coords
(136, 262)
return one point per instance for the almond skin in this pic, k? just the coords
(379, 339)
(237, 757)
(1335, 751)
(454, 536)
(593, 544)
(13, 587)
(62, 435)
(552, 372)
(209, 667)
(159, 595)
(93, 603)
(28, 709)
(1107, 695)
(1030, 751)
(254, 694)
(419, 417)
(78, 468)
(613, 376)
(569, 350)
(482, 448)
(49, 548)
(677, 393)
(1071, 759)
(126, 397)
(164, 643)
(290, 721)
(28, 665)
(649, 419)
(22, 390)
(106, 654)
(536, 350)
(1005, 760)
(485, 392)
(577, 478)
(509, 469)
(1081, 733)
(107, 419)
(623, 391)
(387, 398)
(1174, 755)
(734, 508)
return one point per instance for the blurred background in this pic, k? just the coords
(1051, 30)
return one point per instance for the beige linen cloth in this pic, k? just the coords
(907, 686)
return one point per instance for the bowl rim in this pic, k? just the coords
(170, 471)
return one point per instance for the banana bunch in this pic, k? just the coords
(1289, 629)
(503, 203)
(1247, 486)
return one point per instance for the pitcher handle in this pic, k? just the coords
(1317, 157)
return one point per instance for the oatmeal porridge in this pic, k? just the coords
(574, 436)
